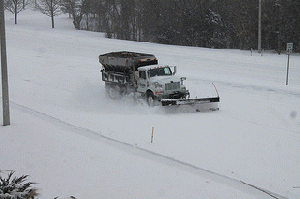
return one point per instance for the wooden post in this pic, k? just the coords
(152, 134)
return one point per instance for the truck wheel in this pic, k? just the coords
(114, 92)
(150, 99)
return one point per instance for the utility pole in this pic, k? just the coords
(259, 26)
(5, 100)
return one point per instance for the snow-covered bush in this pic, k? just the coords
(16, 188)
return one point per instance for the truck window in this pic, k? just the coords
(160, 72)
(142, 74)
(167, 71)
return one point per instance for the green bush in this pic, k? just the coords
(16, 188)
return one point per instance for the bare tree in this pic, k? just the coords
(50, 8)
(77, 8)
(15, 6)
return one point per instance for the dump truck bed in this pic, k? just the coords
(125, 61)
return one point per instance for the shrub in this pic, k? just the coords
(16, 188)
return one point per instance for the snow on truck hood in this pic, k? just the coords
(165, 79)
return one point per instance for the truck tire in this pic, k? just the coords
(150, 99)
(113, 91)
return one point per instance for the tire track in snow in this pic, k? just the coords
(166, 160)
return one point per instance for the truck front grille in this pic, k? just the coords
(172, 86)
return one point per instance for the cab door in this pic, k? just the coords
(142, 81)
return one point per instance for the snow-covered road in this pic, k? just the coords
(72, 140)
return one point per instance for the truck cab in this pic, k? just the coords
(156, 82)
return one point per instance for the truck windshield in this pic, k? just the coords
(160, 72)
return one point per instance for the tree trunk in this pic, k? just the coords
(52, 21)
(76, 22)
(52, 14)
(16, 13)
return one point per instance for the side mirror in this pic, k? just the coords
(182, 79)
(175, 70)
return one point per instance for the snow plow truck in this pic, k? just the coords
(139, 73)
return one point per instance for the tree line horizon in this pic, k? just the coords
(222, 24)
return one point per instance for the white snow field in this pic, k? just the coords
(74, 141)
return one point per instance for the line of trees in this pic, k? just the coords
(203, 23)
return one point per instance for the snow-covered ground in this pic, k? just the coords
(73, 141)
